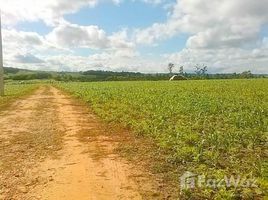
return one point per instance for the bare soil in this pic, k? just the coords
(53, 148)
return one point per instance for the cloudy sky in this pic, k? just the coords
(136, 35)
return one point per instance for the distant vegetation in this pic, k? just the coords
(95, 76)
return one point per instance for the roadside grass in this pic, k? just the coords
(108, 140)
(215, 128)
(14, 90)
(105, 140)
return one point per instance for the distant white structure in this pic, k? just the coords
(173, 77)
(1, 62)
(177, 77)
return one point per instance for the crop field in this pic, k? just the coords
(214, 129)
(217, 128)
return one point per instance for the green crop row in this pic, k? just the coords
(217, 128)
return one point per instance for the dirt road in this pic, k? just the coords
(52, 148)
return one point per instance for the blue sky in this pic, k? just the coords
(112, 17)
(38, 27)
(136, 35)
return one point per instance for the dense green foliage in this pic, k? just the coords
(15, 90)
(216, 127)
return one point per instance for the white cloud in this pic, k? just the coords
(73, 36)
(240, 18)
(103, 61)
(21, 41)
(24, 49)
(49, 11)
(54, 50)
(32, 51)
(223, 60)
(156, 32)
(115, 60)
(225, 34)
(27, 58)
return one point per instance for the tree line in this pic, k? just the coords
(201, 72)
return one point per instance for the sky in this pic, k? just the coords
(136, 35)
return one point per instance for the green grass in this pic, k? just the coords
(214, 127)
(14, 90)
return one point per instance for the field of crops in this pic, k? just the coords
(14, 90)
(216, 128)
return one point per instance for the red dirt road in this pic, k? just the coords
(57, 151)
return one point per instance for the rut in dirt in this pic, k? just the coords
(52, 147)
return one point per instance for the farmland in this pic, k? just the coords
(217, 128)
(134, 100)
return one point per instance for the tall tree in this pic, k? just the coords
(1, 62)
(181, 70)
(197, 69)
(171, 66)
(201, 70)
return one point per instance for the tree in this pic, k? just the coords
(197, 69)
(181, 70)
(201, 70)
(204, 70)
(246, 74)
(171, 66)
